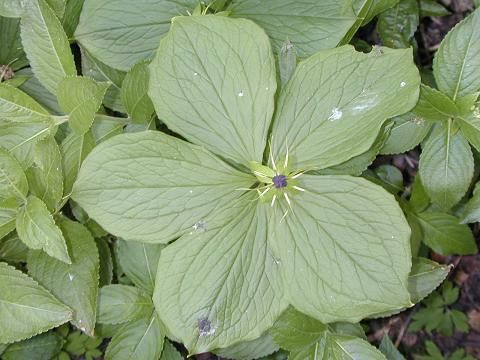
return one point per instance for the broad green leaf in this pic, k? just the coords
(12, 249)
(407, 132)
(446, 235)
(170, 353)
(11, 51)
(335, 104)
(345, 252)
(310, 25)
(471, 212)
(223, 265)
(419, 200)
(37, 229)
(46, 44)
(40, 347)
(227, 111)
(139, 261)
(100, 72)
(287, 61)
(20, 138)
(134, 93)
(249, 350)
(39, 93)
(106, 262)
(425, 277)
(17, 106)
(389, 350)
(72, 16)
(58, 6)
(74, 149)
(26, 308)
(165, 186)
(76, 284)
(120, 35)
(446, 165)
(432, 8)
(8, 215)
(104, 127)
(120, 303)
(396, 26)
(13, 182)
(433, 105)
(138, 340)
(81, 97)
(377, 7)
(470, 127)
(46, 176)
(457, 60)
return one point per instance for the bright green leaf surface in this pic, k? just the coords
(81, 97)
(162, 188)
(134, 94)
(26, 308)
(446, 165)
(8, 215)
(397, 25)
(337, 264)
(13, 182)
(470, 127)
(139, 261)
(249, 350)
(425, 277)
(432, 8)
(37, 229)
(121, 35)
(120, 303)
(445, 235)
(138, 340)
(170, 352)
(76, 284)
(336, 102)
(227, 111)
(457, 60)
(11, 8)
(46, 44)
(310, 25)
(17, 106)
(433, 105)
(471, 212)
(221, 284)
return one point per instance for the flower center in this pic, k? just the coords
(279, 181)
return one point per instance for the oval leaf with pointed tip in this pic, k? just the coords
(161, 188)
(26, 308)
(46, 44)
(15, 105)
(333, 107)
(345, 249)
(75, 284)
(227, 111)
(37, 229)
(207, 274)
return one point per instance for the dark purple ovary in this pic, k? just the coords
(279, 181)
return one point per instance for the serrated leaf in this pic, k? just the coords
(106, 262)
(457, 60)
(311, 26)
(74, 149)
(433, 105)
(40, 347)
(8, 215)
(37, 229)
(76, 284)
(120, 35)
(446, 165)
(45, 177)
(46, 44)
(425, 277)
(12, 249)
(445, 235)
(471, 212)
(120, 303)
(170, 353)
(11, 51)
(470, 127)
(389, 350)
(58, 6)
(26, 308)
(396, 26)
(11, 8)
(13, 182)
(228, 114)
(134, 94)
(138, 340)
(407, 132)
(249, 350)
(163, 204)
(139, 261)
(17, 106)
(81, 97)
(326, 115)
(230, 258)
(336, 263)
(71, 17)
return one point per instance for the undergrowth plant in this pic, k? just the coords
(181, 177)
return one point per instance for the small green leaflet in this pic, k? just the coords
(389, 349)
(46, 44)
(75, 284)
(425, 277)
(8, 215)
(37, 229)
(134, 94)
(81, 97)
(15, 105)
(12, 249)
(471, 213)
(397, 25)
(13, 182)
(434, 106)
(26, 308)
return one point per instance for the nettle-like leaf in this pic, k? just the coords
(294, 238)
(26, 308)
(17, 106)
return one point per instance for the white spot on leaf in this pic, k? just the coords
(200, 225)
(70, 276)
(240, 94)
(336, 114)
(403, 83)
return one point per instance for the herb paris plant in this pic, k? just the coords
(341, 253)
